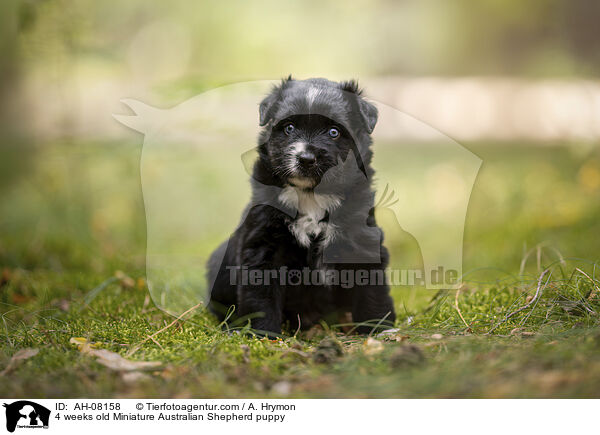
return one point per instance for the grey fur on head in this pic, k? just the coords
(319, 96)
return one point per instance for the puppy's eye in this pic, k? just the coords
(289, 129)
(334, 133)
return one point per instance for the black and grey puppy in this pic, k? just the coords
(308, 245)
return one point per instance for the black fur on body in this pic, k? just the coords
(307, 203)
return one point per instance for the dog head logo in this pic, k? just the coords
(194, 190)
(26, 414)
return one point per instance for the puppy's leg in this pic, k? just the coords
(372, 303)
(222, 289)
(262, 249)
(263, 304)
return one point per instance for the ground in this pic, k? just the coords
(525, 324)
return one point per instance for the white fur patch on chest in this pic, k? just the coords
(312, 208)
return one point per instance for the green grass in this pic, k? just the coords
(561, 358)
(71, 216)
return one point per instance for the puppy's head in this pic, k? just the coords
(309, 125)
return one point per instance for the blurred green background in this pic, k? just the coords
(516, 82)
(69, 174)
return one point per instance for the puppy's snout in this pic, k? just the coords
(306, 158)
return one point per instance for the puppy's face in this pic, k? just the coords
(303, 147)
(309, 125)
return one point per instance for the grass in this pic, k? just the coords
(72, 216)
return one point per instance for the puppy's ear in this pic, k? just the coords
(369, 114)
(351, 86)
(265, 110)
(367, 111)
(267, 106)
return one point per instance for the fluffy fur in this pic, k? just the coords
(311, 207)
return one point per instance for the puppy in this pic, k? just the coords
(308, 246)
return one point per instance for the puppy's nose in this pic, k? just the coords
(306, 158)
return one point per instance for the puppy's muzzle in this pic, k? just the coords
(306, 158)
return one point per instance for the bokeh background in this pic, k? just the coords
(515, 82)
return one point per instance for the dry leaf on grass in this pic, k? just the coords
(392, 335)
(134, 377)
(388, 332)
(521, 332)
(125, 281)
(83, 344)
(113, 360)
(17, 358)
(372, 346)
